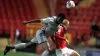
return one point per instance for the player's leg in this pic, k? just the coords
(45, 44)
(45, 53)
(17, 46)
(7, 49)
(74, 53)
(42, 40)
(69, 52)
(46, 47)
(21, 45)
(49, 47)
(59, 52)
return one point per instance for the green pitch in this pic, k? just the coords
(24, 54)
(19, 54)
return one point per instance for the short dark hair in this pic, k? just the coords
(61, 15)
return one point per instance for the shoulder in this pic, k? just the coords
(52, 18)
(49, 19)
(61, 26)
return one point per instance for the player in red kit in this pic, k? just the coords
(60, 41)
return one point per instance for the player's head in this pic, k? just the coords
(60, 18)
(65, 22)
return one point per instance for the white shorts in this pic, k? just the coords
(64, 52)
(39, 37)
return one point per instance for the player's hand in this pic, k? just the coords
(67, 41)
(24, 22)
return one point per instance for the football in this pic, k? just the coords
(70, 4)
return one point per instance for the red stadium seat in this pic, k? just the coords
(6, 26)
(73, 12)
(89, 18)
(1, 26)
(96, 13)
(95, 18)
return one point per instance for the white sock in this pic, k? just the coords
(45, 53)
(20, 46)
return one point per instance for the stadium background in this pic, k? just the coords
(82, 35)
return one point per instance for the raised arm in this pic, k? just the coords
(43, 20)
(31, 21)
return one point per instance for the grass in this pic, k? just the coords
(24, 54)
(18, 54)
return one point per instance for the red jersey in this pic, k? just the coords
(60, 40)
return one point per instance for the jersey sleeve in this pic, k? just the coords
(47, 20)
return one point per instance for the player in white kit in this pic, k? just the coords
(49, 28)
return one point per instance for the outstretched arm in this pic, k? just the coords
(43, 20)
(31, 21)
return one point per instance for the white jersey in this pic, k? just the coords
(49, 29)
(50, 25)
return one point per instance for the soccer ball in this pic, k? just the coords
(70, 4)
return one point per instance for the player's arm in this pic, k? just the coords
(47, 20)
(67, 41)
(44, 20)
(31, 21)
(58, 36)
(53, 38)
